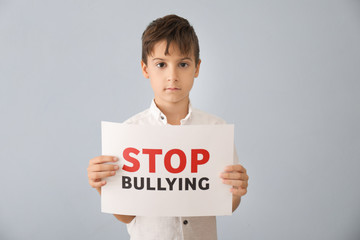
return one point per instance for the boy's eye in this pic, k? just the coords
(160, 65)
(183, 65)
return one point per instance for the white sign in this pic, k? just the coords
(168, 170)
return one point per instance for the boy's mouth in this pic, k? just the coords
(172, 88)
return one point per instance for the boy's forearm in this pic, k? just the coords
(122, 218)
(235, 202)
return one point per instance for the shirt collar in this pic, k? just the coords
(158, 115)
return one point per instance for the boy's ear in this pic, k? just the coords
(197, 69)
(144, 69)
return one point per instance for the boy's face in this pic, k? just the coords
(171, 76)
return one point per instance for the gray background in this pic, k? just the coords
(285, 72)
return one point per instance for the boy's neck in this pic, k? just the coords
(174, 112)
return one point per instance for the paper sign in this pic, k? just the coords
(168, 170)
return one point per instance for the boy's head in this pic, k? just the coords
(174, 30)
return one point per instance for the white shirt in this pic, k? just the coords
(173, 228)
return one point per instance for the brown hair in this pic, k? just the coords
(171, 28)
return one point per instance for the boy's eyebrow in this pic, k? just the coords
(186, 58)
(155, 59)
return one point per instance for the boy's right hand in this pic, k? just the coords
(99, 169)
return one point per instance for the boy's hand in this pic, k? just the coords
(99, 169)
(236, 176)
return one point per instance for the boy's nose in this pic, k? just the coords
(172, 75)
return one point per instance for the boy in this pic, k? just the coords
(170, 59)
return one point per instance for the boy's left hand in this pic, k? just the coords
(236, 176)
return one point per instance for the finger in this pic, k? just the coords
(236, 183)
(103, 167)
(103, 159)
(237, 168)
(96, 184)
(230, 175)
(238, 191)
(235, 176)
(97, 175)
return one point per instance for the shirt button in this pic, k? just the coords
(185, 222)
(162, 117)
